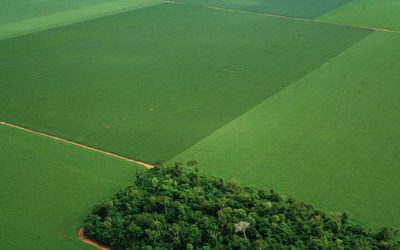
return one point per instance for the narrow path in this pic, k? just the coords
(86, 240)
(146, 165)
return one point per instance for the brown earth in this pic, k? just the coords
(84, 239)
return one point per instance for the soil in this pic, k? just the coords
(84, 239)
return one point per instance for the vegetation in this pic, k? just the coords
(309, 9)
(318, 138)
(117, 59)
(378, 14)
(318, 102)
(39, 179)
(171, 208)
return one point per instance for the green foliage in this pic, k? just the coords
(171, 208)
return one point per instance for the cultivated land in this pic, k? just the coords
(308, 108)
(303, 9)
(330, 138)
(149, 86)
(14, 11)
(48, 188)
(380, 14)
(19, 18)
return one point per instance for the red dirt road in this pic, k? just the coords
(84, 239)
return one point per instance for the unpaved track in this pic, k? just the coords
(81, 234)
(146, 165)
(84, 239)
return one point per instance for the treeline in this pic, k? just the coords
(172, 208)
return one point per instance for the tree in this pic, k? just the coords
(172, 208)
(242, 227)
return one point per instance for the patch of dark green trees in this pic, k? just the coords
(171, 207)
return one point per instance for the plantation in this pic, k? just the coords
(380, 14)
(340, 136)
(18, 18)
(303, 9)
(296, 95)
(136, 92)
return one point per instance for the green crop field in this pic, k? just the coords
(294, 8)
(379, 14)
(48, 188)
(330, 138)
(13, 11)
(128, 84)
(23, 17)
(282, 94)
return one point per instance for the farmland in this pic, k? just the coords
(19, 18)
(157, 105)
(309, 9)
(383, 14)
(339, 136)
(276, 94)
(48, 188)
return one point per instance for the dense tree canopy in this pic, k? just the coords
(172, 208)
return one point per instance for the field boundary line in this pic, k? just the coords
(146, 165)
(288, 17)
(268, 99)
(301, 19)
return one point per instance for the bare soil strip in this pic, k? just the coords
(146, 165)
(84, 239)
